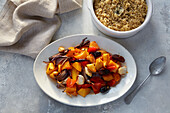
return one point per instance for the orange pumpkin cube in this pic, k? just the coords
(111, 63)
(71, 48)
(70, 54)
(50, 68)
(91, 67)
(71, 89)
(66, 65)
(74, 73)
(82, 55)
(108, 77)
(91, 58)
(84, 92)
(94, 44)
(59, 68)
(106, 59)
(54, 74)
(99, 64)
(77, 66)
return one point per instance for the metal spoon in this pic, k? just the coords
(155, 68)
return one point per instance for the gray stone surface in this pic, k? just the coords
(19, 92)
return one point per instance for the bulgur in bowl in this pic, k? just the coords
(120, 18)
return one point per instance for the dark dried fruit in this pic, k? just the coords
(96, 54)
(103, 71)
(118, 58)
(105, 89)
(96, 75)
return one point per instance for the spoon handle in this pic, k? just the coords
(130, 97)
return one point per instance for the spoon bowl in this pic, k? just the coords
(157, 65)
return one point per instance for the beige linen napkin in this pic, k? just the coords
(27, 26)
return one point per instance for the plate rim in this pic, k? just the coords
(81, 35)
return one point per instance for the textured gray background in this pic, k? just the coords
(19, 92)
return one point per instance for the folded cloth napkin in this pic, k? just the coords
(27, 26)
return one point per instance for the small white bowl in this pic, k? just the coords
(119, 34)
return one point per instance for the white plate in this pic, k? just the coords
(49, 87)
